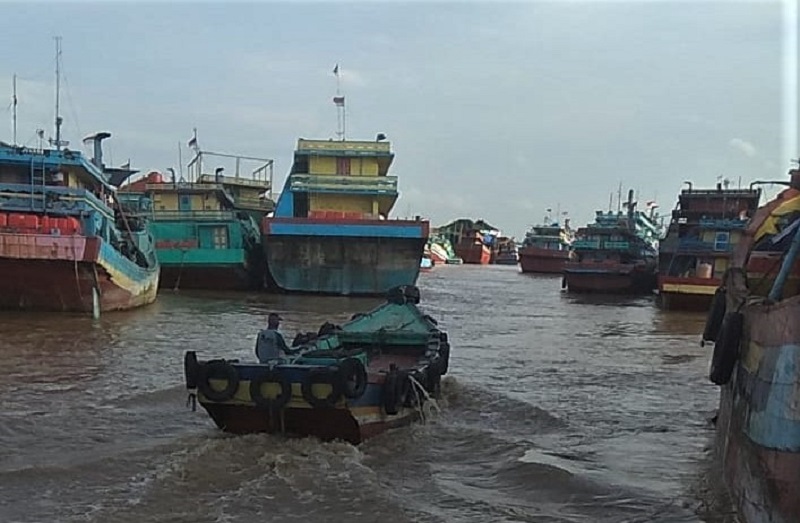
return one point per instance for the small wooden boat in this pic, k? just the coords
(375, 372)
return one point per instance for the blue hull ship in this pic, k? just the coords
(66, 243)
(330, 233)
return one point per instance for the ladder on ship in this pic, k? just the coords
(37, 180)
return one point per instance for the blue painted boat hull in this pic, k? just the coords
(341, 259)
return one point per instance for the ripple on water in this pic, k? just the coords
(557, 408)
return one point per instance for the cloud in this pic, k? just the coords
(745, 147)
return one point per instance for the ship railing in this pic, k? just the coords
(56, 199)
(261, 175)
(331, 183)
(696, 244)
(723, 223)
(192, 215)
(586, 244)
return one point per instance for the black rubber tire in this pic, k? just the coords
(726, 348)
(191, 369)
(271, 376)
(411, 292)
(353, 377)
(316, 376)
(218, 369)
(391, 393)
(716, 313)
(396, 295)
(443, 361)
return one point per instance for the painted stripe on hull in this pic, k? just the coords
(348, 228)
(688, 294)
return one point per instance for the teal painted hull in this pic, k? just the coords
(193, 257)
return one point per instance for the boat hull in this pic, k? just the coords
(758, 427)
(474, 253)
(60, 273)
(227, 277)
(353, 424)
(609, 278)
(687, 294)
(360, 257)
(548, 261)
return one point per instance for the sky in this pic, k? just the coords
(496, 111)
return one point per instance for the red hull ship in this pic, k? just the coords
(705, 227)
(616, 254)
(547, 261)
(546, 248)
(474, 251)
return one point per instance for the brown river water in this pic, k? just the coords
(557, 408)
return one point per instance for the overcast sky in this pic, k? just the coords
(495, 110)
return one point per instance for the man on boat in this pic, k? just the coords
(270, 345)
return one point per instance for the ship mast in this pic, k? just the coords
(14, 108)
(341, 114)
(57, 141)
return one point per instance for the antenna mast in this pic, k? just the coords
(14, 108)
(57, 141)
(341, 115)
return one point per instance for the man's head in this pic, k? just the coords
(273, 320)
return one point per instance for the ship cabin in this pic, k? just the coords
(250, 185)
(192, 222)
(59, 192)
(550, 237)
(617, 237)
(706, 225)
(339, 180)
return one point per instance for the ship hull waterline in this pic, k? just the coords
(339, 260)
(686, 294)
(622, 279)
(545, 261)
(67, 273)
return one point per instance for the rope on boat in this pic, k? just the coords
(180, 271)
(417, 387)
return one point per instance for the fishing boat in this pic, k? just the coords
(351, 382)
(618, 253)
(472, 240)
(546, 248)
(706, 225)
(505, 251)
(441, 250)
(66, 244)
(331, 232)
(205, 237)
(754, 324)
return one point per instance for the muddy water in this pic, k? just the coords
(556, 408)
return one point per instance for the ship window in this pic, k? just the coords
(721, 240)
(343, 166)
(220, 237)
